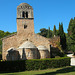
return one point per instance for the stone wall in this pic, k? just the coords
(39, 40)
(28, 30)
(16, 40)
(8, 42)
(44, 54)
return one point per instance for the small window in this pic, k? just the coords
(25, 26)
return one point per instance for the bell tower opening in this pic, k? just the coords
(26, 14)
(23, 14)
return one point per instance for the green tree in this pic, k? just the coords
(54, 30)
(61, 31)
(71, 35)
(43, 32)
(1, 34)
(7, 33)
(48, 35)
(70, 26)
(62, 36)
(57, 32)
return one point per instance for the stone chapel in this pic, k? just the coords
(25, 44)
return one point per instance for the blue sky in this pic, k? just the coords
(47, 13)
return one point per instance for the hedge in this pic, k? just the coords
(34, 64)
(12, 66)
(0, 56)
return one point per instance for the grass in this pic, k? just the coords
(0, 52)
(56, 71)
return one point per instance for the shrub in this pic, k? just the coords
(0, 56)
(9, 66)
(33, 64)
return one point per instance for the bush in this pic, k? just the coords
(0, 56)
(10, 66)
(34, 64)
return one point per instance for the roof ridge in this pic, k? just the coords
(9, 36)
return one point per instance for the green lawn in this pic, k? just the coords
(56, 71)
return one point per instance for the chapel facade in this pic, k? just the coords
(25, 42)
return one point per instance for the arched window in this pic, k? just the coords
(26, 14)
(23, 14)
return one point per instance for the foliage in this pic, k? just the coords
(54, 30)
(33, 64)
(9, 66)
(71, 35)
(57, 32)
(0, 56)
(70, 26)
(59, 46)
(47, 63)
(56, 52)
(0, 46)
(44, 32)
(48, 34)
(62, 36)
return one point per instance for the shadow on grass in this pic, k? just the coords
(64, 70)
(60, 71)
(10, 73)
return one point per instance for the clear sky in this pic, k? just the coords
(47, 13)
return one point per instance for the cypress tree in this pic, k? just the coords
(54, 30)
(71, 35)
(48, 35)
(70, 26)
(59, 29)
(62, 36)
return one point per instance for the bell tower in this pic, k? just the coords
(25, 20)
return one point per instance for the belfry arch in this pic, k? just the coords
(24, 14)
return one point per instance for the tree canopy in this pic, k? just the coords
(71, 35)
(54, 30)
(62, 36)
